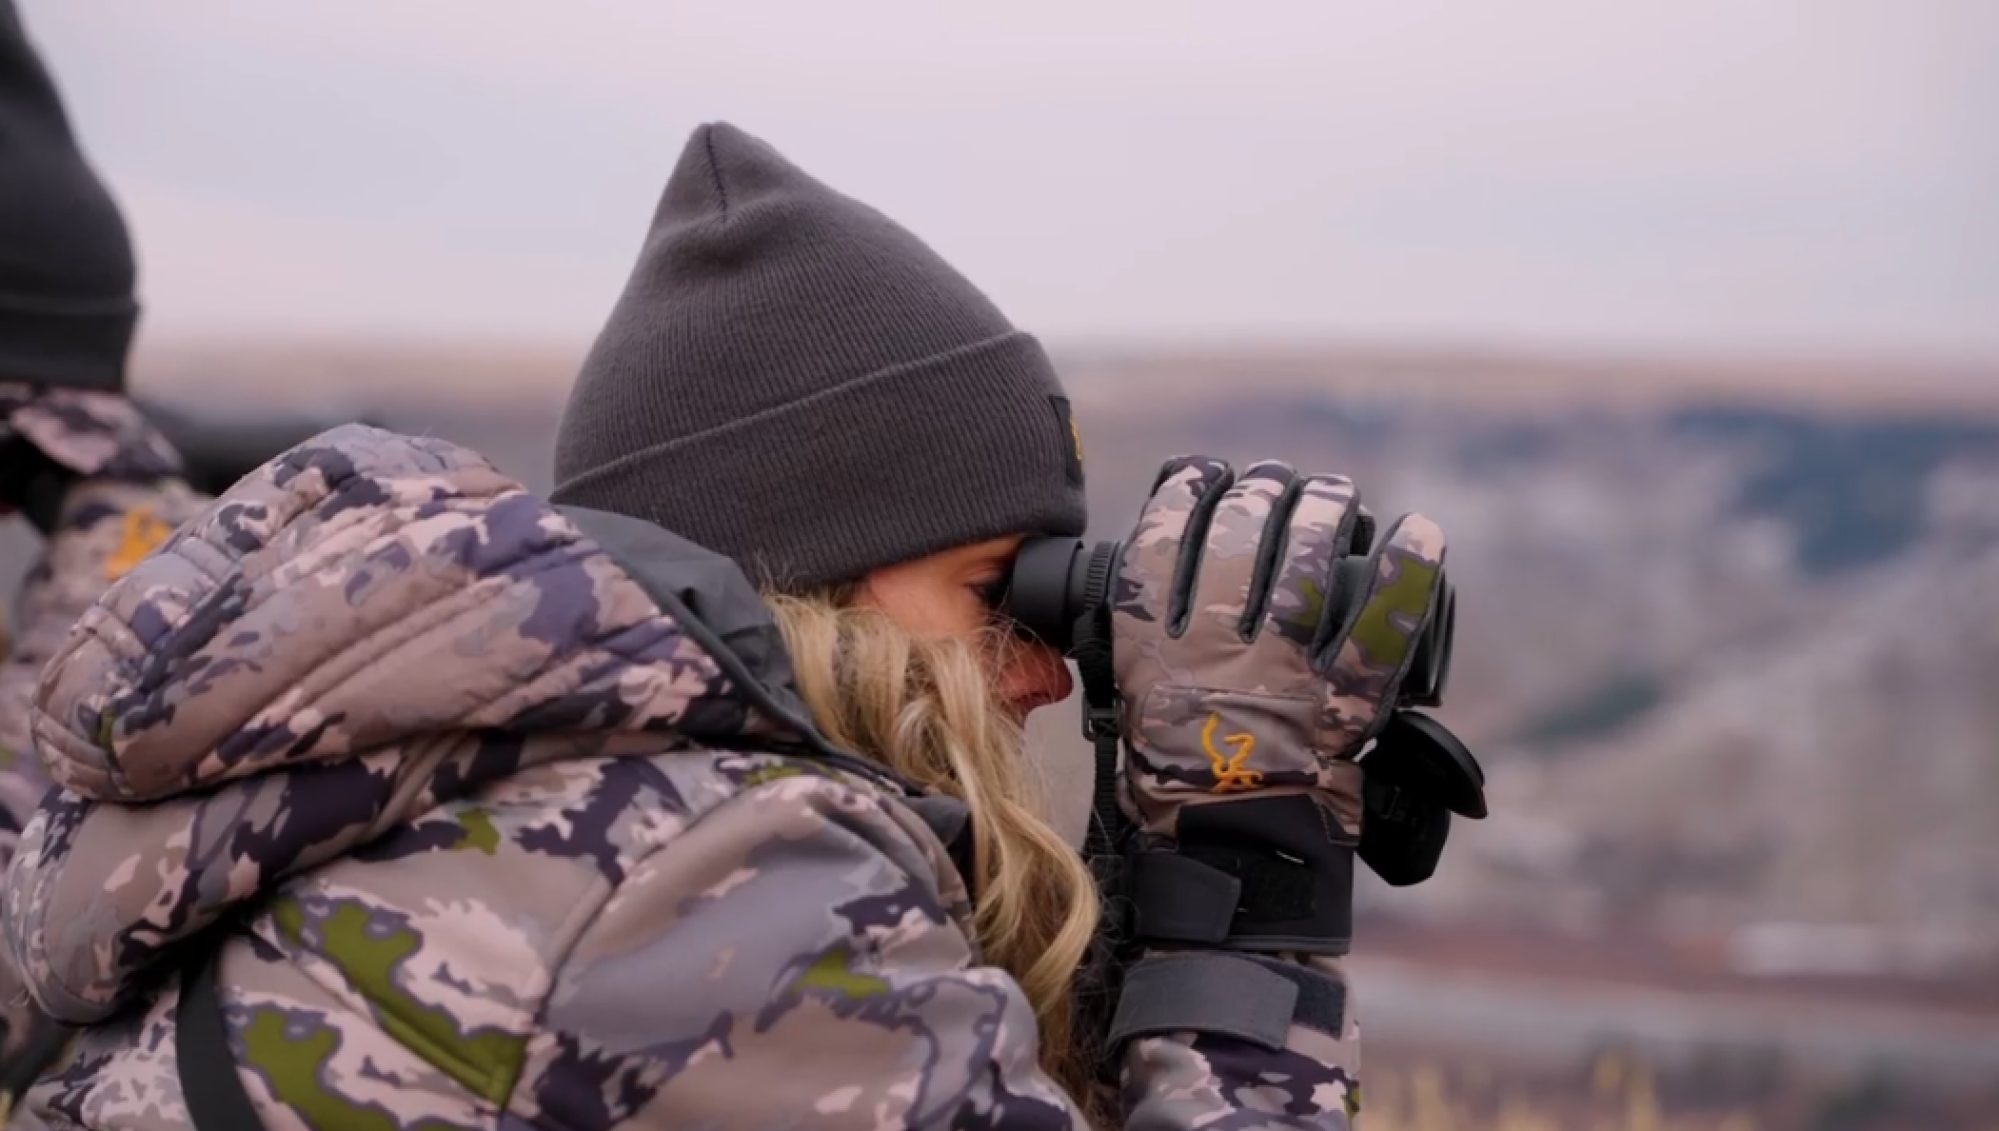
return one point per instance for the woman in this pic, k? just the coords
(396, 796)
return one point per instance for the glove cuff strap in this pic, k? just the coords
(1263, 874)
(1243, 996)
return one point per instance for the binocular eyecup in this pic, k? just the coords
(1055, 583)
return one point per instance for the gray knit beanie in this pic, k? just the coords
(795, 381)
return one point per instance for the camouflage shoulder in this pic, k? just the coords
(97, 435)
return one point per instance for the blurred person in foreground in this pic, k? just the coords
(694, 795)
(77, 461)
(98, 483)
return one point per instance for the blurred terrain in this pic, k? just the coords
(1728, 650)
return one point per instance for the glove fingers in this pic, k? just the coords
(1158, 560)
(1320, 533)
(1400, 597)
(1236, 557)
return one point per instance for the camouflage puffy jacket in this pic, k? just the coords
(507, 817)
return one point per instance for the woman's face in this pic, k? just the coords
(955, 593)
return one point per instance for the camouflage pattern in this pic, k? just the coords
(100, 435)
(126, 506)
(105, 528)
(489, 839)
(125, 502)
(1245, 679)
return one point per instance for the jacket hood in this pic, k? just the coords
(366, 626)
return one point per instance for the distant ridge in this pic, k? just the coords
(323, 375)
(536, 374)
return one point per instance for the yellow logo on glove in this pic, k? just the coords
(142, 535)
(1230, 777)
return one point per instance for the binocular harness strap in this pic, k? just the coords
(214, 1093)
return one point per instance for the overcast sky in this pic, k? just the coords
(1712, 175)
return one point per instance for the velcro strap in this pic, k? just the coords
(1260, 873)
(1176, 898)
(1237, 995)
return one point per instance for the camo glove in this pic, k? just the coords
(1254, 667)
(52, 437)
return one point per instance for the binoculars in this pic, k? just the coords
(1058, 581)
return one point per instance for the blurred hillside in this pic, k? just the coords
(1727, 665)
(1727, 650)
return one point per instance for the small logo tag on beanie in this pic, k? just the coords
(1072, 440)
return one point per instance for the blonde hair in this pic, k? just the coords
(925, 708)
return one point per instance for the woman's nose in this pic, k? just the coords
(1037, 678)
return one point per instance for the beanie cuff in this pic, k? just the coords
(73, 346)
(969, 445)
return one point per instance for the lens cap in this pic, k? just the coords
(1415, 752)
(1402, 843)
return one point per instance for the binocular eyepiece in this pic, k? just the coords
(1057, 582)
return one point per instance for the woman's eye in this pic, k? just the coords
(991, 593)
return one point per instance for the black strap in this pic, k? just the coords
(1101, 725)
(46, 1042)
(1246, 996)
(1098, 981)
(1205, 992)
(1180, 899)
(33, 483)
(951, 820)
(216, 1099)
